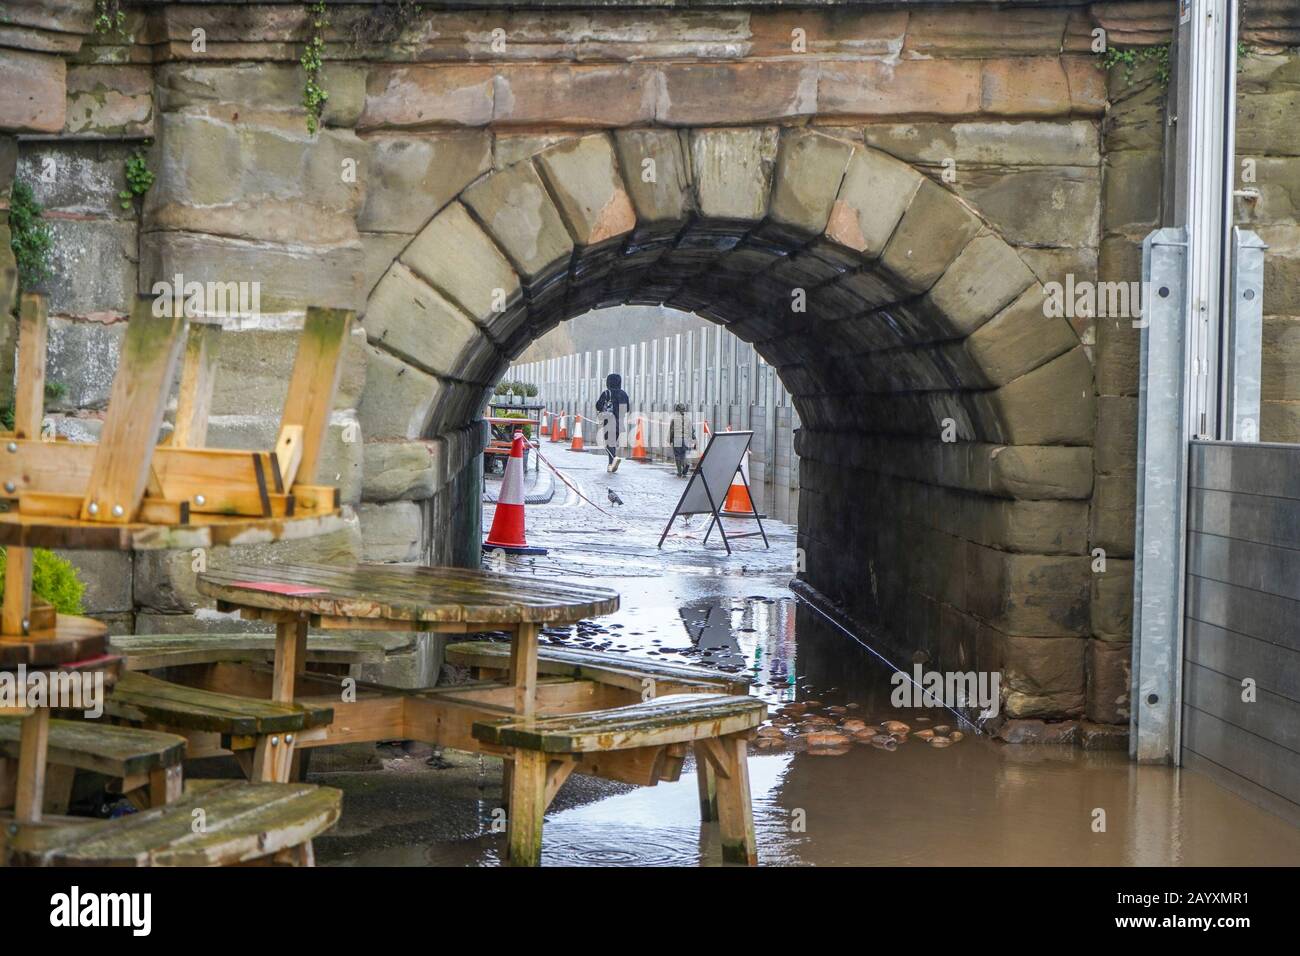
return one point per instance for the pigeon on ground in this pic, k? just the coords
(613, 498)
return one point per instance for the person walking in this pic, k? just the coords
(680, 432)
(612, 406)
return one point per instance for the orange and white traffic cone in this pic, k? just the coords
(638, 443)
(576, 444)
(507, 532)
(738, 503)
(564, 428)
(555, 428)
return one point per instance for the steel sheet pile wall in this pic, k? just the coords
(1241, 700)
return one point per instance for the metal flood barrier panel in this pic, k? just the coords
(1241, 671)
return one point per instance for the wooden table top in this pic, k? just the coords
(406, 593)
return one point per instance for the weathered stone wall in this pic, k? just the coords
(478, 159)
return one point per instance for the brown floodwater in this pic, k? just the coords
(977, 802)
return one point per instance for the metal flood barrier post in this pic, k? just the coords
(1159, 545)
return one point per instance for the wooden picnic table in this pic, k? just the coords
(403, 598)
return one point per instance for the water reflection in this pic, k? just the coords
(973, 803)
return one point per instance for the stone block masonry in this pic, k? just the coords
(915, 177)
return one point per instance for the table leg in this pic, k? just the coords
(32, 747)
(290, 656)
(523, 678)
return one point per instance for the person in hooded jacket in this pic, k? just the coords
(612, 406)
(681, 431)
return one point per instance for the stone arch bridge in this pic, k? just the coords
(876, 195)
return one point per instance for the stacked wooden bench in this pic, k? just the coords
(131, 493)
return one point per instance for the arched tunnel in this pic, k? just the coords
(947, 422)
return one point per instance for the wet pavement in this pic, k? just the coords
(850, 802)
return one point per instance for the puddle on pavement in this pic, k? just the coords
(975, 802)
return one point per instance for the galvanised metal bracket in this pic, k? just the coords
(1244, 338)
(1159, 544)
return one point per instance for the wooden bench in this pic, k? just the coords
(264, 728)
(547, 749)
(647, 677)
(150, 651)
(145, 763)
(241, 823)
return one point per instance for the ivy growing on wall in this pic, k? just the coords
(30, 236)
(110, 17)
(1131, 58)
(313, 94)
(139, 177)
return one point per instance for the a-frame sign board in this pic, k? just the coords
(707, 489)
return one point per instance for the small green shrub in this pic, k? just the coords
(30, 236)
(139, 177)
(53, 579)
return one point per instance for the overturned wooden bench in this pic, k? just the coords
(261, 733)
(145, 764)
(241, 823)
(649, 678)
(547, 749)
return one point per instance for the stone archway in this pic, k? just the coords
(946, 460)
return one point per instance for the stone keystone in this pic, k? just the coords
(733, 171)
(584, 179)
(661, 188)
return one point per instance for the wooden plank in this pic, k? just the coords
(100, 747)
(244, 822)
(29, 408)
(146, 651)
(29, 389)
(288, 454)
(211, 480)
(32, 745)
(135, 411)
(198, 376)
(627, 670)
(678, 718)
(312, 384)
(141, 698)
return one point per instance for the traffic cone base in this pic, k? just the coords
(507, 532)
